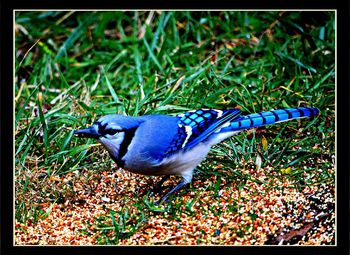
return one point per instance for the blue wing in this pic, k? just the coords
(196, 126)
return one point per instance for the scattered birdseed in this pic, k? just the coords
(240, 212)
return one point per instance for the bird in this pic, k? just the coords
(165, 145)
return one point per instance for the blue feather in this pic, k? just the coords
(270, 117)
(197, 126)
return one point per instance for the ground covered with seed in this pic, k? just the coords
(114, 208)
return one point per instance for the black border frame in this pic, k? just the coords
(7, 135)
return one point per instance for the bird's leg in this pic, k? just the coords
(158, 186)
(182, 183)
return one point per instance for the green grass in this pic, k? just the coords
(73, 67)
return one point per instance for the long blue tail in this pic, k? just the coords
(270, 117)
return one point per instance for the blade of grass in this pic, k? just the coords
(21, 109)
(317, 85)
(43, 124)
(137, 58)
(296, 61)
(277, 160)
(160, 29)
(153, 57)
(24, 139)
(115, 59)
(67, 140)
(77, 32)
(110, 87)
(29, 144)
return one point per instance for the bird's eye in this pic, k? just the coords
(108, 129)
(111, 131)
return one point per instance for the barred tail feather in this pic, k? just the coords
(271, 117)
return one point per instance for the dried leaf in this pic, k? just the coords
(264, 143)
(298, 232)
(258, 161)
(287, 236)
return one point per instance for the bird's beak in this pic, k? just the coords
(90, 132)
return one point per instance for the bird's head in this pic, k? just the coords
(111, 131)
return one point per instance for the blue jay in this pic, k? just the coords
(174, 145)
